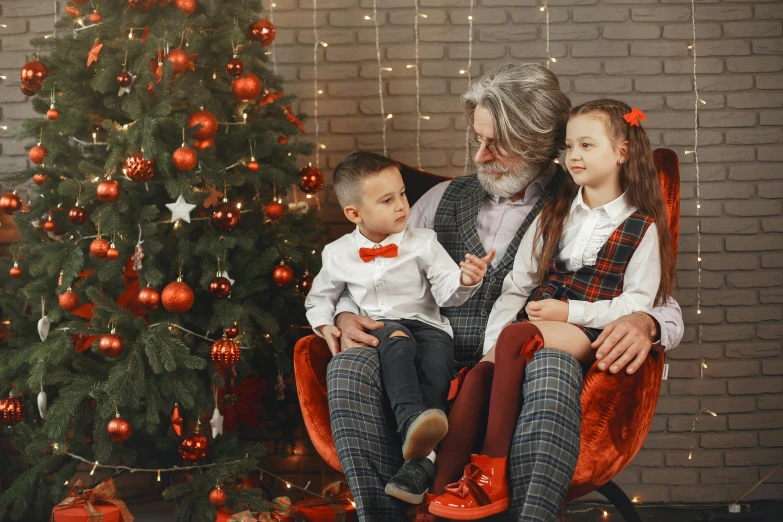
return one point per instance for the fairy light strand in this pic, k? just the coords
(316, 43)
(549, 58)
(272, 21)
(380, 71)
(470, 81)
(418, 87)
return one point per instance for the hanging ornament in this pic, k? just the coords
(10, 203)
(246, 88)
(220, 287)
(180, 61)
(11, 411)
(312, 180)
(305, 284)
(217, 497)
(224, 353)
(77, 215)
(40, 179)
(94, 53)
(49, 225)
(15, 271)
(225, 274)
(52, 113)
(96, 17)
(111, 344)
(195, 446)
(184, 157)
(176, 420)
(99, 247)
(204, 144)
(186, 6)
(138, 255)
(68, 301)
(73, 11)
(125, 80)
(293, 118)
(37, 154)
(28, 91)
(142, 5)
(42, 403)
(33, 75)
(274, 210)
(269, 97)
(177, 297)
(119, 429)
(283, 275)
(149, 298)
(217, 423)
(44, 323)
(208, 122)
(252, 165)
(112, 252)
(282, 139)
(261, 31)
(280, 387)
(225, 216)
(180, 209)
(232, 331)
(108, 190)
(139, 169)
(298, 208)
(235, 67)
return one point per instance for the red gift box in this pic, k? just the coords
(97, 504)
(336, 506)
(109, 513)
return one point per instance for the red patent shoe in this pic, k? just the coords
(482, 491)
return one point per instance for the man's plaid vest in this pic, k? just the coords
(455, 224)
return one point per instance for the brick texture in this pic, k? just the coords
(634, 50)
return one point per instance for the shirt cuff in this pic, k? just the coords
(662, 341)
(576, 312)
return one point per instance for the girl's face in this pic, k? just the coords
(592, 158)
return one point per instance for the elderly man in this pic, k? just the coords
(518, 117)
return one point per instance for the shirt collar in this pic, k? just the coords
(536, 188)
(613, 209)
(363, 242)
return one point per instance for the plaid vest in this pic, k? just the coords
(604, 280)
(455, 224)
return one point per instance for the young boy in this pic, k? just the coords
(401, 276)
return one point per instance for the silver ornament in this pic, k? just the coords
(42, 403)
(43, 327)
(217, 423)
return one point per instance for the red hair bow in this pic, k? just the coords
(634, 116)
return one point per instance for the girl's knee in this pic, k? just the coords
(480, 374)
(513, 338)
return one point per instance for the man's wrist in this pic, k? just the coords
(654, 328)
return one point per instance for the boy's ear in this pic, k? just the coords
(352, 213)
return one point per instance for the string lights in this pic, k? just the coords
(418, 87)
(272, 21)
(384, 117)
(316, 91)
(549, 58)
(470, 81)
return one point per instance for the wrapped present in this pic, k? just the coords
(281, 511)
(337, 505)
(92, 505)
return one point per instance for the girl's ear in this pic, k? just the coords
(622, 151)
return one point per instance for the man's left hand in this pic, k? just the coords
(625, 340)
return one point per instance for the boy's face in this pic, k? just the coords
(384, 207)
(591, 156)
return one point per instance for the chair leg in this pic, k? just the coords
(617, 496)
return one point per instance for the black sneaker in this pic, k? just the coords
(423, 432)
(412, 481)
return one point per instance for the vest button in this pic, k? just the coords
(487, 296)
(493, 279)
(481, 331)
(483, 313)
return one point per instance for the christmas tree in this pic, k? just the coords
(158, 264)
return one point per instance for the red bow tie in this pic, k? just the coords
(368, 254)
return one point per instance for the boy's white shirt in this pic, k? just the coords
(584, 234)
(413, 285)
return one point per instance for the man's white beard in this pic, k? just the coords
(505, 181)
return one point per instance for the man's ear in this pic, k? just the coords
(352, 213)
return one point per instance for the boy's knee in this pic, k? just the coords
(398, 333)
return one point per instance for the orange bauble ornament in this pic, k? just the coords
(49, 225)
(99, 247)
(224, 353)
(15, 271)
(274, 211)
(253, 165)
(283, 139)
(246, 88)
(96, 17)
(208, 122)
(305, 284)
(220, 287)
(112, 253)
(225, 216)
(283, 275)
(177, 297)
(262, 31)
(186, 6)
(37, 154)
(10, 203)
(139, 169)
(69, 301)
(11, 411)
(149, 298)
(119, 429)
(185, 158)
(40, 179)
(52, 113)
(195, 446)
(111, 345)
(180, 62)
(108, 190)
(217, 497)
(33, 74)
(312, 180)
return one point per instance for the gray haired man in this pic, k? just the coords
(518, 115)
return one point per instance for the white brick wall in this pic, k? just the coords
(635, 50)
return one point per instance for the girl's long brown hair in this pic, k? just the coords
(638, 179)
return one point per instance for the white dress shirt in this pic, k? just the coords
(415, 284)
(584, 234)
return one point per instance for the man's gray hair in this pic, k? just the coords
(528, 110)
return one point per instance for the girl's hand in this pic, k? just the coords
(547, 310)
(474, 268)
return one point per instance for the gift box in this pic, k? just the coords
(281, 510)
(108, 513)
(94, 505)
(336, 505)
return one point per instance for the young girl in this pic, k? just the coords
(594, 255)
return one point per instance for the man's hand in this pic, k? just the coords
(547, 310)
(331, 335)
(353, 329)
(474, 268)
(627, 339)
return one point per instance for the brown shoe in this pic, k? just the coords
(424, 433)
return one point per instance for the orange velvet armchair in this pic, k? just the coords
(617, 410)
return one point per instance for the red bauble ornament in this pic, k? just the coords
(306, 284)
(108, 190)
(139, 169)
(78, 215)
(27, 91)
(283, 275)
(49, 225)
(177, 297)
(124, 79)
(217, 497)
(225, 217)
(179, 60)
(52, 113)
(235, 67)
(194, 447)
(232, 331)
(119, 429)
(10, 203)
(96, 17)
(312, 180)
(204, 144)
(224, 353)
(15, 271)
(37, 154)
(253, 165)
(11, 411)
(40, 179)
(186, 6)
(246, 88)
(149, 298)
(261, 31)
(142, 5)
(274, 210)
(33, 74)
(99, 247)
(185, 158)
(111, 345)
(220, 287)
(69, 301)
(283, 139)
(112, 253)
(208, 122)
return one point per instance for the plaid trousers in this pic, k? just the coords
(544, 450)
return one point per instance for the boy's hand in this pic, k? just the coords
(331, 335)
(474, 268)
(547, 310)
